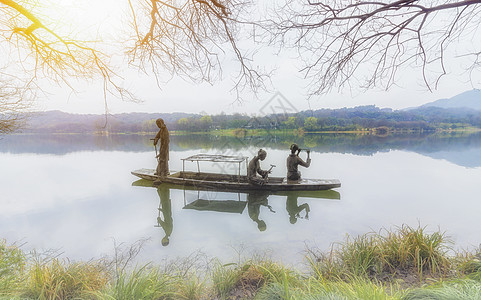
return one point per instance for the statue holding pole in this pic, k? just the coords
(162, 138)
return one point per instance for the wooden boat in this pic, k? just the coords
(316, 194)
(232, 182)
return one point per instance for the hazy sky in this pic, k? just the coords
(181, 96)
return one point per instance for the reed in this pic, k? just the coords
(63, 280)
(468, 264)
(142, 283)
(408, 248)
(224, 278)
(12, 266)
(245, 279)
(192, 288)
(279, 281)
(405, 263)
(387, 253)
(361, 255)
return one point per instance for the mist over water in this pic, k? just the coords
(75, 193)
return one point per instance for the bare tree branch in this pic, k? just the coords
(15, 102)
(57, 57)
(345, 42)
(187, 38)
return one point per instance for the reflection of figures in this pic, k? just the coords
(293, 160)
(254, 202)
(165, 208)
(163, 156)
(294, 210)
(254, 168)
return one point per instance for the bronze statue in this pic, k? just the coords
(254, 168)
(293, 161)
(163, 155)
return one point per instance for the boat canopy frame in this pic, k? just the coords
(218, 158)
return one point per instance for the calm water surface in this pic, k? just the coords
(75, 194)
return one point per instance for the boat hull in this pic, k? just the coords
(227, 182)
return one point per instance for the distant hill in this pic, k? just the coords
(60, 122)
(469, 99)
(423, 118)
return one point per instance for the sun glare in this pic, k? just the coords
(93, 20)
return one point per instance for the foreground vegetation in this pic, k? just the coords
(405, 263)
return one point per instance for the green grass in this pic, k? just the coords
(224, 278)
(405, 263)
(388, 254)
(142, 283)
(459, 290)
(12, 267)
(63, 280)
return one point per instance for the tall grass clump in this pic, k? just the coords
(143, 283)
(12, 266)
(409, 248)
(246, 279)
(279, 281)
(360, 255)
(384, 255)
(63, 280)
(224, 278)
(192, 288)
(469, 264)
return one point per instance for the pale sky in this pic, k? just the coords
(181, 96)
(93, 17)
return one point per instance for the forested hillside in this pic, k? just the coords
(425, 118)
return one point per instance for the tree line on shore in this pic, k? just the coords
(423, 119)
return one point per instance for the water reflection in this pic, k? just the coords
(53, 212)
(164, 218)
(294, 209)
(254, 202)
(223, 202)
(445, 146)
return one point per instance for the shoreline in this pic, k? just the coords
(239, 132)
(405, 263)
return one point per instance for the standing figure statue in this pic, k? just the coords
(163, 155)
(293, 161)
(254, 168)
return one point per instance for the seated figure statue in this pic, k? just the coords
(254, 168)
(293, 161)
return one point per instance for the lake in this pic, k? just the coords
(74, 194)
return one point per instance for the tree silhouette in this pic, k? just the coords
(186, 38)
(350, 42)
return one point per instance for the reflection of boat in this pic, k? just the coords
(229, 206)
(229, 182)
(214, 200)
